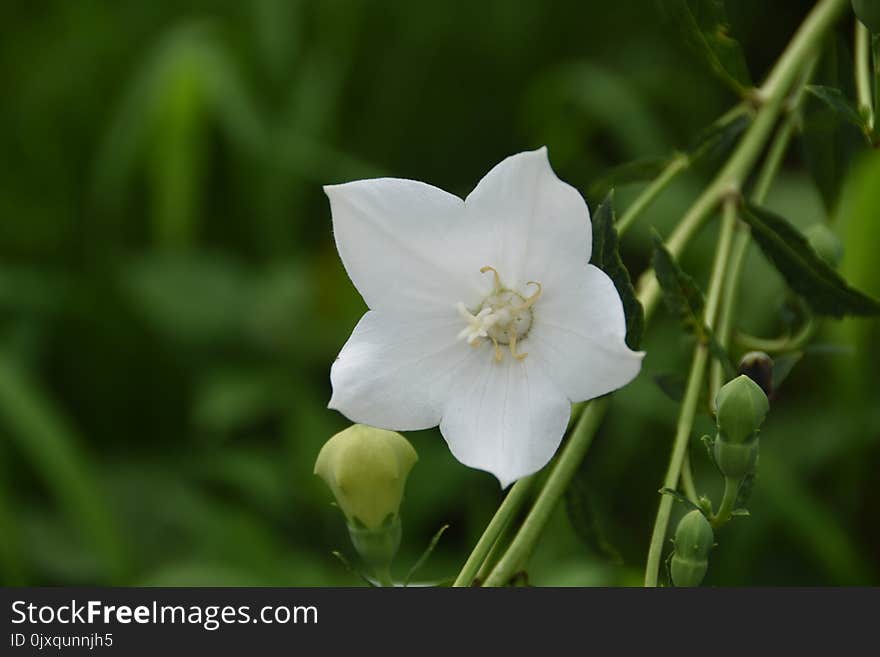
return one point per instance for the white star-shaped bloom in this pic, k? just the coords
(484, 314)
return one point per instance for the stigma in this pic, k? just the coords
(504, 318)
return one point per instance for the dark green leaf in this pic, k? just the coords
(585, 518)
(868, 12)
(680, 292)
(804, 271)
(782, 366)
(704, 26)
(837, 102)
(639, 170)
(830, 145)
(715, 142)
(745, 488)
(681, 498)
(607, 258)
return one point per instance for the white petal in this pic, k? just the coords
(506, 418)
(578, 333)
(396, 374)
(406, 245)
(540, 225)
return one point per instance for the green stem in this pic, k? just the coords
(779, 345)
(679, 163)
(512, 503)
(771, 96)
(863, 73)
(691, 396)
(766, 176)
(557, 481)
(687, 479)
(728, 500)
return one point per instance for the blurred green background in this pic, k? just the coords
(171, 299)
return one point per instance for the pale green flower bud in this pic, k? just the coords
(825, 243)
(868, 12)
(366, 469)
(693, 541)
(741, 408)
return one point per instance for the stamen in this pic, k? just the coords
(530, 301)
(513, 348)
(495, 274)
(498, 354)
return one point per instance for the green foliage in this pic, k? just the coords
(640, 170)
(703, 25)
(842, 107)
(805, 272)
(606, 257)
(682, 295)
(868, 12)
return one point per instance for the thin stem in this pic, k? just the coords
(557, 481)
(691, 396)
(766, 176)
(728, 500)
(687, 479)
(678, 164)
(512, 503)
(383, 576)
(863, 73)
(779, 345)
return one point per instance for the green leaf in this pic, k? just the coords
(829, 145)
(744, 492)
(704, 27)
(680, 498)
(802, 268)
(586, 518)
(640, 170)
(837, 102)
(680, 292)
(606, 257)
(715, 141)
(868, 12)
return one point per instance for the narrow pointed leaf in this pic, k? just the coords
(805, 272)
(837, 102)
(704, 26)
(680, 292)
(715, 142)
(640, 170)
(606, 257)
(587, 520)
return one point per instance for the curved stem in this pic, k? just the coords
(512, 503)
(678, 164)
(557, 481)
(691, 396)
(728, 500)
(863, 73)
(687, 479)
(779, 345)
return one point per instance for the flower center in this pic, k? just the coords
(504, 317)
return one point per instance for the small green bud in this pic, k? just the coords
(693, 541)
(824, 242)
(735, 460)
(741, 407)
(868, 12)
(366, 469)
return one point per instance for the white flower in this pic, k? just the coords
(485, 316)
